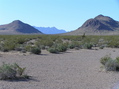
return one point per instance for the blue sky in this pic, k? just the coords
(62, 14)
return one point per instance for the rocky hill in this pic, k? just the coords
(18, 27)
(100, 25)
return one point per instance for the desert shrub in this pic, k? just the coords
(61, 47)
(35, 50)
(19, 47)
(20, 40)
(53, 50)
(12, 71)
(28, 48)
(104, 60)
(114, 43)
(73, 44)
(7, 46)
(117, 58)
(110, 64)
(43, 47)
(4, 49)
(83, 36)
(87, 46)
(46, 42)
(101, 47)
(56, 48)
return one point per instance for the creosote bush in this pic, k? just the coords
(35, 50)
(56, 48)
(12, 71)
(105, 59)
(88, 46)
(53, 50)
(110, 64)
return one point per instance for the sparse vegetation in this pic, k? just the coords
(12, 72)
(24, 43)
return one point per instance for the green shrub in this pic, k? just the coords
(28, 48)
(117, 58)
(56, 48)
(88, 46)
(105, 59)
(20, 40)
(53, 50)
(35, 50)
(7, 46)
(61, 47)
(101, 47)
(112, 65)
(12, 71)
(73, 44)
(4, 49)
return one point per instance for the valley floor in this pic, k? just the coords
(74, 69)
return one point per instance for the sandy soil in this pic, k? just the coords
(79, 69)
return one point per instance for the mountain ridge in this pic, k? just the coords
(100, 25)
(50, 30)
(18, 27)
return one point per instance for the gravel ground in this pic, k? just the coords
(74, 69)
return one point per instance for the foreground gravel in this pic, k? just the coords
(75, 69)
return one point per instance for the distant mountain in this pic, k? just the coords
(50, 30)
(100, 25)
(18, 27)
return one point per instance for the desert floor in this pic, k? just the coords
(74, 69)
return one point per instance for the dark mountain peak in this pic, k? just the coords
(99, 25)
(17, 22)
(91, 22)
(103, 18)
(100, 16)
(101, 22)
(18, 27)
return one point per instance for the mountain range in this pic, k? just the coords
(50, 30)
(100, 25)
(18, 27)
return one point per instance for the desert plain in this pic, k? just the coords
(74, 69)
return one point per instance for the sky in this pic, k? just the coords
(62, 14)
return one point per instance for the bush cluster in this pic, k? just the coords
(56, 48)
(12, 71)
(35, 50)
(110, 64)
(87, 46)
